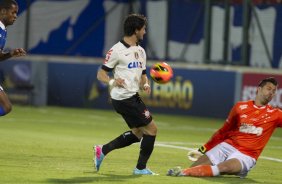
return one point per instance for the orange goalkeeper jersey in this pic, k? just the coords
(248, 128)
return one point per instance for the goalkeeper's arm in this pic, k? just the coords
(221, 134)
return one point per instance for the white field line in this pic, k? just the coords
(190, 149)
(270, 158)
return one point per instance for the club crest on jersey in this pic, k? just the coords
(136, 55)
(135, 64)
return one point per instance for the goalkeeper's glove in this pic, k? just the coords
(194, 155)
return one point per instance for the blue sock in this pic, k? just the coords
(2, 112)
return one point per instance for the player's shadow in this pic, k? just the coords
(230, 180)
(88, 179)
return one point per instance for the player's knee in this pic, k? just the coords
(155, 131)
(138, 133)
(150, 129)
(7, 108)
(153, 128)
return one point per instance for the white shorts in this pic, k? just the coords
(1, 89)
(224, 151)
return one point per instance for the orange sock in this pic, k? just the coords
(201, 170)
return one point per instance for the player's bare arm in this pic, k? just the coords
(144, 84)
(18, 52)
(103, 76)
(13, 53)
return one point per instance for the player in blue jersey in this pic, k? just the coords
(127, 60)
(8, 15)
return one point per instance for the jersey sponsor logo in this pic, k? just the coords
(250, 129)
(108, 55)
(135, 64)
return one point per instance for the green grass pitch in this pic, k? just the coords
(54, 145)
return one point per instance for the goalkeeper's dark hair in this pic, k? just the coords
(7, 4)
(133, 22)
(266, 80)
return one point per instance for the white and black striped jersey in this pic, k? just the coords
(128, 63)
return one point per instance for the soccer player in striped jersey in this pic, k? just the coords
(127, 61)
(8, 15)
(236, 146)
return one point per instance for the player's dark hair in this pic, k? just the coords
(7, 4)
(133, 22)
(266, 80)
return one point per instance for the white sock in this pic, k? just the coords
(215, 170)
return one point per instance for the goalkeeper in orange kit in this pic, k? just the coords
(236, 146)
